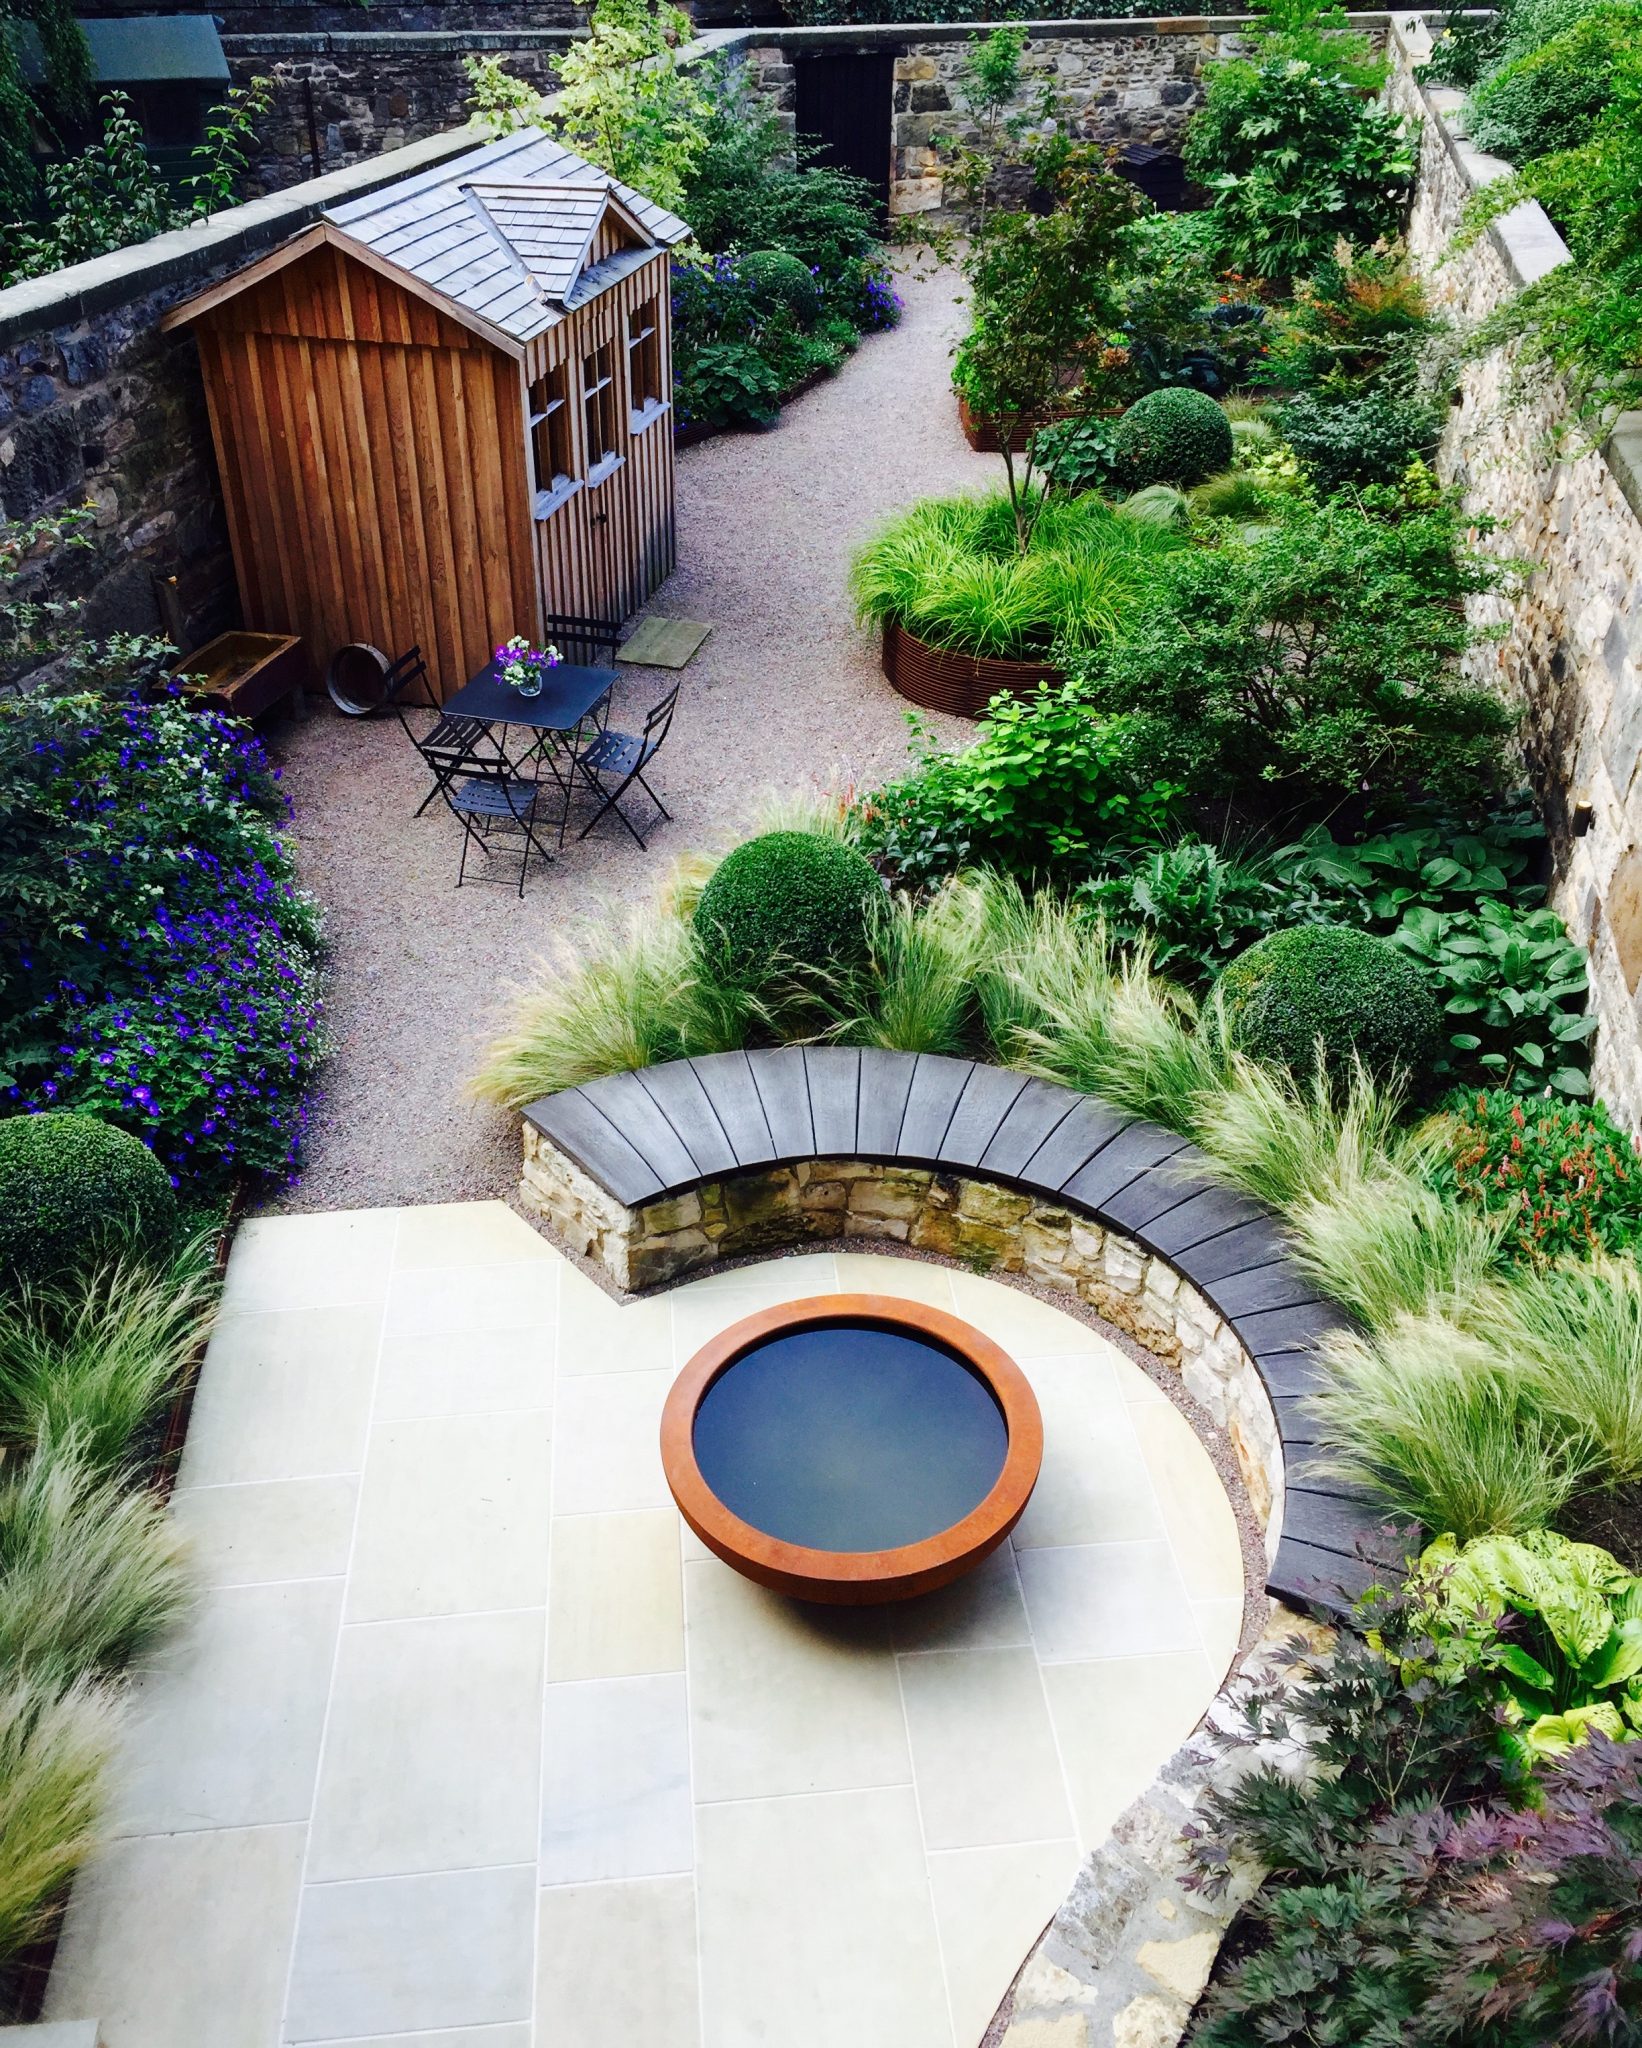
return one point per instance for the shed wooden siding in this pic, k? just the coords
(370, 450)
(607, 570)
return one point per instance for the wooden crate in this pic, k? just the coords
(246, 674)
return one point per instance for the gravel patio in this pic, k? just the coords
(785, 692)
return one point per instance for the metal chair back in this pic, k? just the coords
(480, 789)
(587, 641)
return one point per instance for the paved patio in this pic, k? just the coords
(467, 1749)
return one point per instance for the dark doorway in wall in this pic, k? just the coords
(843, 107)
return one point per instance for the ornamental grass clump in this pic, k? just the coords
(96, 1359)
(949, 571)
(55, 1748)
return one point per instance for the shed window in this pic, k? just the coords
(550, 432)
(644, 356)
(599, 405)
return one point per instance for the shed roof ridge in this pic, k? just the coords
(488, 221)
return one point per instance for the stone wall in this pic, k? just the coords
(991, 1228)
(1570, 651)
(501, 18)
(97, 406)
(338, 99)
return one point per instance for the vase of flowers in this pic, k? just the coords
(523, 667)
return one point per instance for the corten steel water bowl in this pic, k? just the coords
(852, 1448)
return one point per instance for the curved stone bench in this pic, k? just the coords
(667, 1170)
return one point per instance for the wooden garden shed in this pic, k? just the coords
(445, 410)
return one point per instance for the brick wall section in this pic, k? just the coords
(370, 93)
(1571, 651)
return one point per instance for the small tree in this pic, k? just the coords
(1045, 293)
(502, 102)
(626, 103)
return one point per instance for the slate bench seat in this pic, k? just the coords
(658, 1131)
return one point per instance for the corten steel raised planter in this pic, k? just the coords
(940, 679)
(854, 1578)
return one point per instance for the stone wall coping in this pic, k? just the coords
(66, 296)
(896, 34)
(1526, 237)
(657, 1133)
(435, 42)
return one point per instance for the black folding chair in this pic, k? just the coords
(444, 735)
(626, 755)
(590, 643)
(484, 796)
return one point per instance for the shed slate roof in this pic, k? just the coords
(503, 231)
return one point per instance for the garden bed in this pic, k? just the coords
(944, 679)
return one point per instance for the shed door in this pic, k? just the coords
(845, 109)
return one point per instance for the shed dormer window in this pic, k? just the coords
(550, 433)
(599, 405)
(644, 356)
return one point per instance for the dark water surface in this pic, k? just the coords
(850, 1438)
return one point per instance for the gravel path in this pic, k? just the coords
(785, 693)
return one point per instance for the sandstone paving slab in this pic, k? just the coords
(261, 1532)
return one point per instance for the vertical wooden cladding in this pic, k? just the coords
(372, 460)
(610, 544)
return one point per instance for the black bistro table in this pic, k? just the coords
(572, 696)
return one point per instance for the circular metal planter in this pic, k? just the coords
(855, 1578)
(942, 680)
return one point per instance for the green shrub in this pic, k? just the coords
(1173, 437)
(1300, 665)
(951, 572)
(1076, 455)
(1550, 97)
(1045, 786)
(1294, 158)
(1330, 993)
(787, 903)
(55, 1747)
(776, 278)
(1192, 906)
(1564, 1175)
(72, 1187)
(1513, 989)
(1366, 440)
(1355, 321)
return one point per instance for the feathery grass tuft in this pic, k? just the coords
(94, 1360)
(919, 992)
(1428, 1419)
(1576, 1327)
(90, 1574)
(54, 1751)
(623, 999)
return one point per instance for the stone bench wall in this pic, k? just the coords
(990, 1228)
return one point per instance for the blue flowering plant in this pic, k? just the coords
(158, 963)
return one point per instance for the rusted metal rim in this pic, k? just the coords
(854, 1578)
(941, 679)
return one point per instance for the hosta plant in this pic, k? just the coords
(1569, 1655)
(1513, 990)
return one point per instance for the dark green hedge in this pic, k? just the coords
(788, 903)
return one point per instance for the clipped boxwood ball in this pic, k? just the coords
(1173, 437)
(1327, 982)
(73, 1188)
(777, 278)
(786, 903)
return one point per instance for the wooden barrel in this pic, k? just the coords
(963, 683)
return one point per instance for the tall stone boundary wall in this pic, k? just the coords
(1111, 82)
(340, 99)
(1570, 651)
(502, 18)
